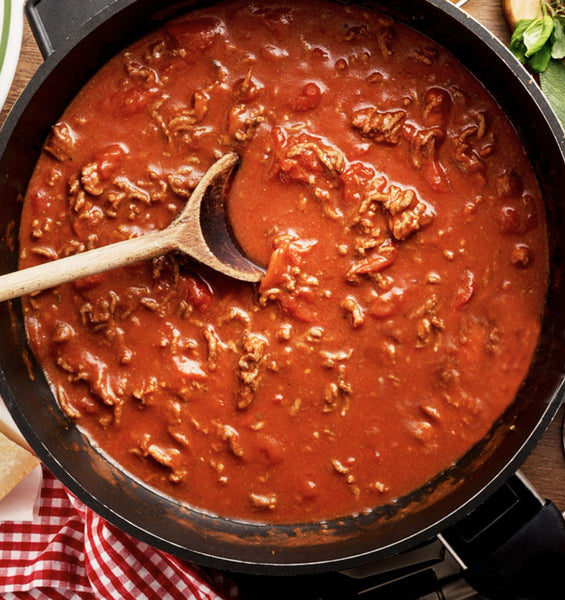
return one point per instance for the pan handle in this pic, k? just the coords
(512, 546)
(53, 21)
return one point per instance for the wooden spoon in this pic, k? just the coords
(200, 231)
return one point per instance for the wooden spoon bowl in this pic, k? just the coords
(200, 230)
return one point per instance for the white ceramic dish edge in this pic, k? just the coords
(11, 31)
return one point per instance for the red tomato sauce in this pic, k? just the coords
(404, 234)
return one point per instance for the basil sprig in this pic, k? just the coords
(540, 44)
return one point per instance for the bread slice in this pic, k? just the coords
(514, 10)
(15, 463)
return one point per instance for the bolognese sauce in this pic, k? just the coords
(403, 234)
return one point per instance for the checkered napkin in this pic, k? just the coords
(68, 552)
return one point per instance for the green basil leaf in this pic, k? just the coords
(558, 48)
(540, 60)
(518, 34)
(552, 82)
(520, 53)
(517, 46)
(537, 34)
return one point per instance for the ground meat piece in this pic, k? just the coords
(98, 314)
(132, 190)
(304, 157)
(330, 157)
(170, 458)
(182, 124)
(83, 366)
(437, 105)
(263, 501)
(424, 153)
(466, 156)
(378, 261)
(60, 142)
(247, 89)
(467, 160)
(407, 212)
(248, 368)
(231, 437)
(65, 404)
(135, 69)
(385, 37)
(355, 32)
(427, 330)
(145, 390)
(337, 393)
(183, 181)
(91, 180)
(77, 196)
(214, 345)
(381, 127)
(45, 252)
(409, 221)
(398, 200)
(373, 237)
(332, 359)
(423, 432)
(166, 457)
(340, 467)
(509, 184)
(429, 325)
(63, 332)
(424, 146)
(353, 310)
(284, 332)
(243, 121)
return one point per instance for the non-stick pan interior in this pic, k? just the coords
(254, 547)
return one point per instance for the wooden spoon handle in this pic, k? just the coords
(84, 264)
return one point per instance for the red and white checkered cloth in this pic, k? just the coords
(69, 552)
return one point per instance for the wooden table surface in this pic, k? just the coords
(545, 468)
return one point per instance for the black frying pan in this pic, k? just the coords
(257, 548)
